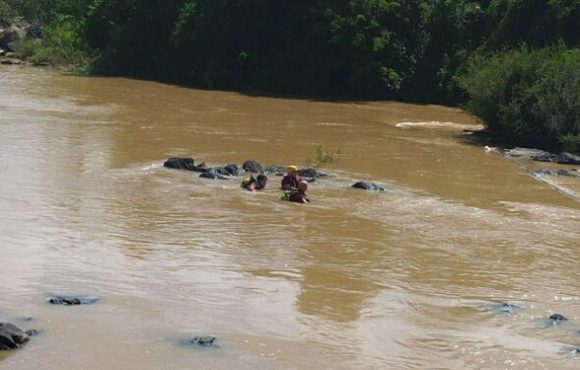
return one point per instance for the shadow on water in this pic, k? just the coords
(251, 93)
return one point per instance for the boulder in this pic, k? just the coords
(185, 164)
(367, 185)
(229, 170)
(12, 337)
(204, 341)
(11, 36)
(213, 174)
(253, 166)
(557, 318)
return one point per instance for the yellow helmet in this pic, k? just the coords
(292, 168)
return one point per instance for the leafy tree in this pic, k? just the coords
(528, 97)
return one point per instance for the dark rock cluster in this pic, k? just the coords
(542, 156)
(230, 171)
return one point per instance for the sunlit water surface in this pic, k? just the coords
(354, 280)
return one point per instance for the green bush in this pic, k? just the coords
(62, 44)
(6, 10)
(528, 97)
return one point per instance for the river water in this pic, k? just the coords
(403, 279)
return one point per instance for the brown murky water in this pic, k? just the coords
(354, 280)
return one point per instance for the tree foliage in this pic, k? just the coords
(403, 49)
(529, 97)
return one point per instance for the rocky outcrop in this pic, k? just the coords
(367, 185)
(572, 172)
(12, 337)
(13, 32)
(542, 156)
(225, 172)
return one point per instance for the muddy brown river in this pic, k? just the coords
(404, 279)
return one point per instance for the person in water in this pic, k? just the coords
(252, 183)
(299, 196)
(291, 180)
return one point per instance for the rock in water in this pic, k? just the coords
(253, 166)
(557, 318)
(367, 185)
(11, 337)
(205, 341)
(71, 301)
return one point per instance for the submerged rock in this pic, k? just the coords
(557, 318)
(367, 185)
(204, 341)
(72, 301)
(311, 173)
(509, 308)
(274, 169)
(12, 337)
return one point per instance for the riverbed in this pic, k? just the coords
(401, 279)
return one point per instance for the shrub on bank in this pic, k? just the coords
(528, 97)
(62, 44)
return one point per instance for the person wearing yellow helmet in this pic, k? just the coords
(291, 180)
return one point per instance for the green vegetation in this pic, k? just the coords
(444, 51)
(61, 37)
(323, 157)
(528, 97)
